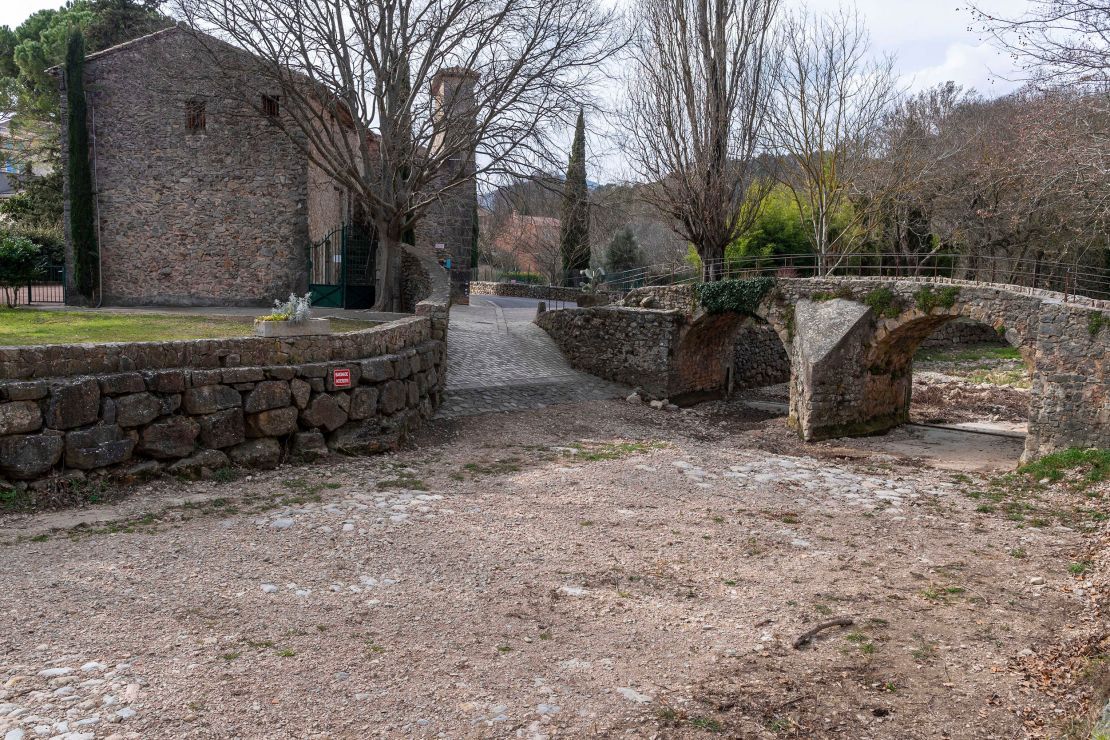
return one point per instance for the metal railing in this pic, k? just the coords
(48, 287)
(1069, 281)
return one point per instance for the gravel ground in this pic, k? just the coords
(595, 569)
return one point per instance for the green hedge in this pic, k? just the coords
(739, 296)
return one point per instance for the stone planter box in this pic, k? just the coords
(292, 328)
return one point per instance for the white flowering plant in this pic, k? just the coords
(297, 309)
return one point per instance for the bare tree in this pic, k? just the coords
(697, 94)
(1057, 41)
(355, 80)
(830, 99)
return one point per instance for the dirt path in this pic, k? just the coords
(596, 569)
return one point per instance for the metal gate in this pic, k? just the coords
(341, 268)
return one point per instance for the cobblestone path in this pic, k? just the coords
(498, 360)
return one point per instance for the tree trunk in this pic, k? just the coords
(387, 261)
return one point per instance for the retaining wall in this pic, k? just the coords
(134, 410)
(539, 292)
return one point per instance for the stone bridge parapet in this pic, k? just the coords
(851, 343)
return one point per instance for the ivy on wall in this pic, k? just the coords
(738, 296)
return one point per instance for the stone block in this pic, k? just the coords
(115, 385)
(200, 378)
(343, 400)
(323, 412)
(364, 403)
(377, 370)
(393, 397)
(208, 399)
(138, 472)
(301, 392)
(97, 447)
(413, 389)
(169, 438)
(27, 456)
(269, 394)
(281, 372)
(30, 390)
(316, 384)
(137, 409)
(242, 375)
(221, 429)
(165, 381)
(309, 446)
(73, 404)
(203, 464)
(20, 417)
(257, 453)
(107, 411)
(363, 438)
(273, 422)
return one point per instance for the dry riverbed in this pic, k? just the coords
(588, 570)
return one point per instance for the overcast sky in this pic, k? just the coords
(930, 38)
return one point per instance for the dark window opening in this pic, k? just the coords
(194, 115)
(270, 106)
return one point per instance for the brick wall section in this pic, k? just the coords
(631, 346)
(191, 421)
(212, 217)
(539, 292)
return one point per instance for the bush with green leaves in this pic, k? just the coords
(530, 278)
(20, 263)
(883, 302)
(738, 296)
(927, 299)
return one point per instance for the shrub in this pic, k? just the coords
(883, 302)
(51, 241)
(739, 296)
(531, 278)
(927, 299)
(20, 262)
(1095, 322)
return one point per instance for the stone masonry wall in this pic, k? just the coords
(963, 332)
(539, 292)
(59, 360)
(1070, 405)
(217, 216)
(759, 358)
(630, 346)
(192, 421)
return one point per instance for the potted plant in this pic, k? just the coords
(591, 289)
(291, 318)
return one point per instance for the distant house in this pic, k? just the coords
(528, 243)
(15, 157)
(202, 200)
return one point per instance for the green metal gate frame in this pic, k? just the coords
(341, 268)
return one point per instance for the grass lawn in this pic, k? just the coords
(28, 326)
(971, 353)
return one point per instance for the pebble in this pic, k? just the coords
(1036, 581)
(16, 734)
(269, 588)
(55, 672)
(285, 523)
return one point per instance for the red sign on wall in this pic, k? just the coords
(341, 377)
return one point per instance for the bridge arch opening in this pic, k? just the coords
(957, 369)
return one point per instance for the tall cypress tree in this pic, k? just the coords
(82, 219)
(574, 229)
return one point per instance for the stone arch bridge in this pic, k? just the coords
(851, 343)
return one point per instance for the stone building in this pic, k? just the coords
(203, 200)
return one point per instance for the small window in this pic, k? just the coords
(270, 106)
(194, 115)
